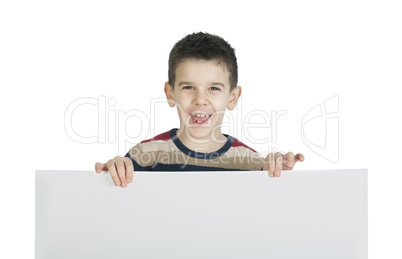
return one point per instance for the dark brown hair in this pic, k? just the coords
(203, 46)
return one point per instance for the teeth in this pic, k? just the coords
(200, 115)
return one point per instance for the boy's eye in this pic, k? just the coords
(213, 87)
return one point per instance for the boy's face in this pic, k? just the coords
(202, 87)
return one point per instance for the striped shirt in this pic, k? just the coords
(165, 152)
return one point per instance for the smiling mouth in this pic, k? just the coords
(200, 119)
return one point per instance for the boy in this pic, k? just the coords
(202, 84)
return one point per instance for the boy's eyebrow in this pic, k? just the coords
(191, 83)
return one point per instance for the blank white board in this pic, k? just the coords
(244, 214)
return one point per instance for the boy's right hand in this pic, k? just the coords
(120, 168)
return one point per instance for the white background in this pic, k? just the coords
(292, 56)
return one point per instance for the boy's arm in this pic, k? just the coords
(274, 163)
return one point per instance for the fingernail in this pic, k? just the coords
(124, 184)
(129, 180)
(117, 183)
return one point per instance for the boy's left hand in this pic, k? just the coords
(276, 162)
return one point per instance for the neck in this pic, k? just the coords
(207, 144)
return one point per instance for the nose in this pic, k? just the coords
(201, 99)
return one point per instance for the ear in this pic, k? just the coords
(234, 97)
(169, 94)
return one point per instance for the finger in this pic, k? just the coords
(129, 169)
(278, 164)
(121, 171)
(289, 161)
(270, 164)
(299, 157)
(112, 170)
(99, 167)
